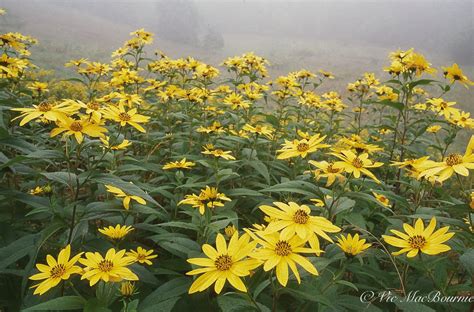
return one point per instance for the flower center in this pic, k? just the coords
(105, 266)
(302, 147)
(282, 248)
(331, 169)
(93, 106)
(124, 116)
(223, 262)
(357, 163)
(57, 271)
(141, 257)
(456, 77)
(300, 216)
(76, 126)
(44, 107)
(453, 159)
(417, 241)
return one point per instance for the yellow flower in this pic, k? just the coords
(356, 164)
(131, 117)
(48, 111)
(454, 73)
(352, 245)
(453, 163)
(127, 289)
(326, 170)
(142, 255)
(227, 155)
(420, 239)
(111, 268)
(181, 164)
(126, 198)
(208, 198)
(301, 147)
(56, 270)
(293, 219)
(40, 190)
(117, 232)
(39, 87)
(433, 129)
(224, 263)
(2, 11)
(78, 128)
(280, 253)
(472, 200)
(382, 199)
(230, 230)
(442, 107)
(106, 142)
(236, 101)
(259, 129)
(326, 74)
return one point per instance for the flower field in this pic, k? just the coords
(151, 183)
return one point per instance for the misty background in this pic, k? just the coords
(347, 37)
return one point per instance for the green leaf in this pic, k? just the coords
(166, 295)
(61, 304)
(232, 302)
(17, 250)
(467, 260)
(66, 178)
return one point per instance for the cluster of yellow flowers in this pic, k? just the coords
(281, 245)
(113, 267)
(209, 158)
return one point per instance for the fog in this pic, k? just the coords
(346, 37)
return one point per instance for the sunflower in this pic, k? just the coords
(56, 270)
(208, 198)
(131, 117)
(301, 147)
(180, 164)
(352, 245)
(227, 155)
(283, 253)
(126, 198)
(326, 170)
(293, 219)
(259, 129)
(224, 263)
(45, 110)
(111, 268)
(453, 163)
(382, 199)
(356, 164)
(78, 128)
(442, 107)
(142, 255)
(117, 232)
(420, 239)
(236, 101)
(454, 73)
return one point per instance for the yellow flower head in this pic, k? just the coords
(224, 263)
(279, 253)
(78, 128)
(126, 197)
(230, 230)
(302, 147)
(453, 163)
(208, 198)
(131, 117)
(356, 164)
(48, 111)
(142, 255)
(420, 239)
(127, 289)
(293, 219)
(327, 170)
(55, 271)
(455, 74)
(352, 245)
(382, 199)
(227, 155)
(180, 164)
(111, 268)
(117, 232)
(433, 129)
